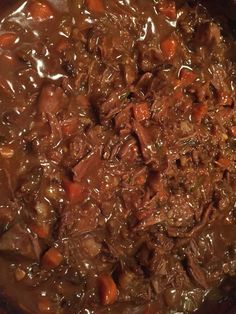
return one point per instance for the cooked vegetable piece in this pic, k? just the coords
(45, 306)
(7, 40)
(187, 76)
(69, 126)
(168, 48)
(141, 111)
(107, 290)
(41, 230)
(223, 163)
(52, 258)
(96, 6)
(199, 112)
(40, 10)
(167, 7)
(76, 192)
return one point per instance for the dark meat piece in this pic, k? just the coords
(181, 213)
(150, 59)
(109, 108)
(149, 218)
(196, 272)
(78, 220)
(7, 215)
(123, 120)
(29, 184)
(51, 99)
(143, 84)
(146, 144)
(157, 185)
(208, 34)
(82, 168)
(130, 72)
(177, 232)
(129, 150)
(19, 242)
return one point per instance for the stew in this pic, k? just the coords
(117, 155)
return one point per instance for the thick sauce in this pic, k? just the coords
(117, 156)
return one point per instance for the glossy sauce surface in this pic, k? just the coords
(117, 156)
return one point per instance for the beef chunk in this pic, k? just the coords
(196, 272)
(50, 99)
(208, 34)
(18, 242)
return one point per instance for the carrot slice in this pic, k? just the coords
(52, 258)
(187, 77)
(62, 45)
(141, 111)
(19, 274)
(223, 163)
(141, 179)
(45, 306)
(233, 130)
(69, 126)
(199, 112)
(96, 6)
(168, 47)
(75, 191)
(167, 8)
(107, 289)
(42, 231)
(40, 10)
(225, 98)
(7, 40)
(178, 95)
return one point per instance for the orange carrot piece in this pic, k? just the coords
(223, 163)
(96, 6)
(225, 98)
(168, 48)
(233, 130)
(187, 76)
(141, 179)
(69, 126)
(40, 10)
(45, 306)
(75, 191)
(167, 8)
(7, 40)
(107, 289)
(42, 231)
(52, 258)
(199, 112)
(141, 111)
(62, 45)
(178, 94)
